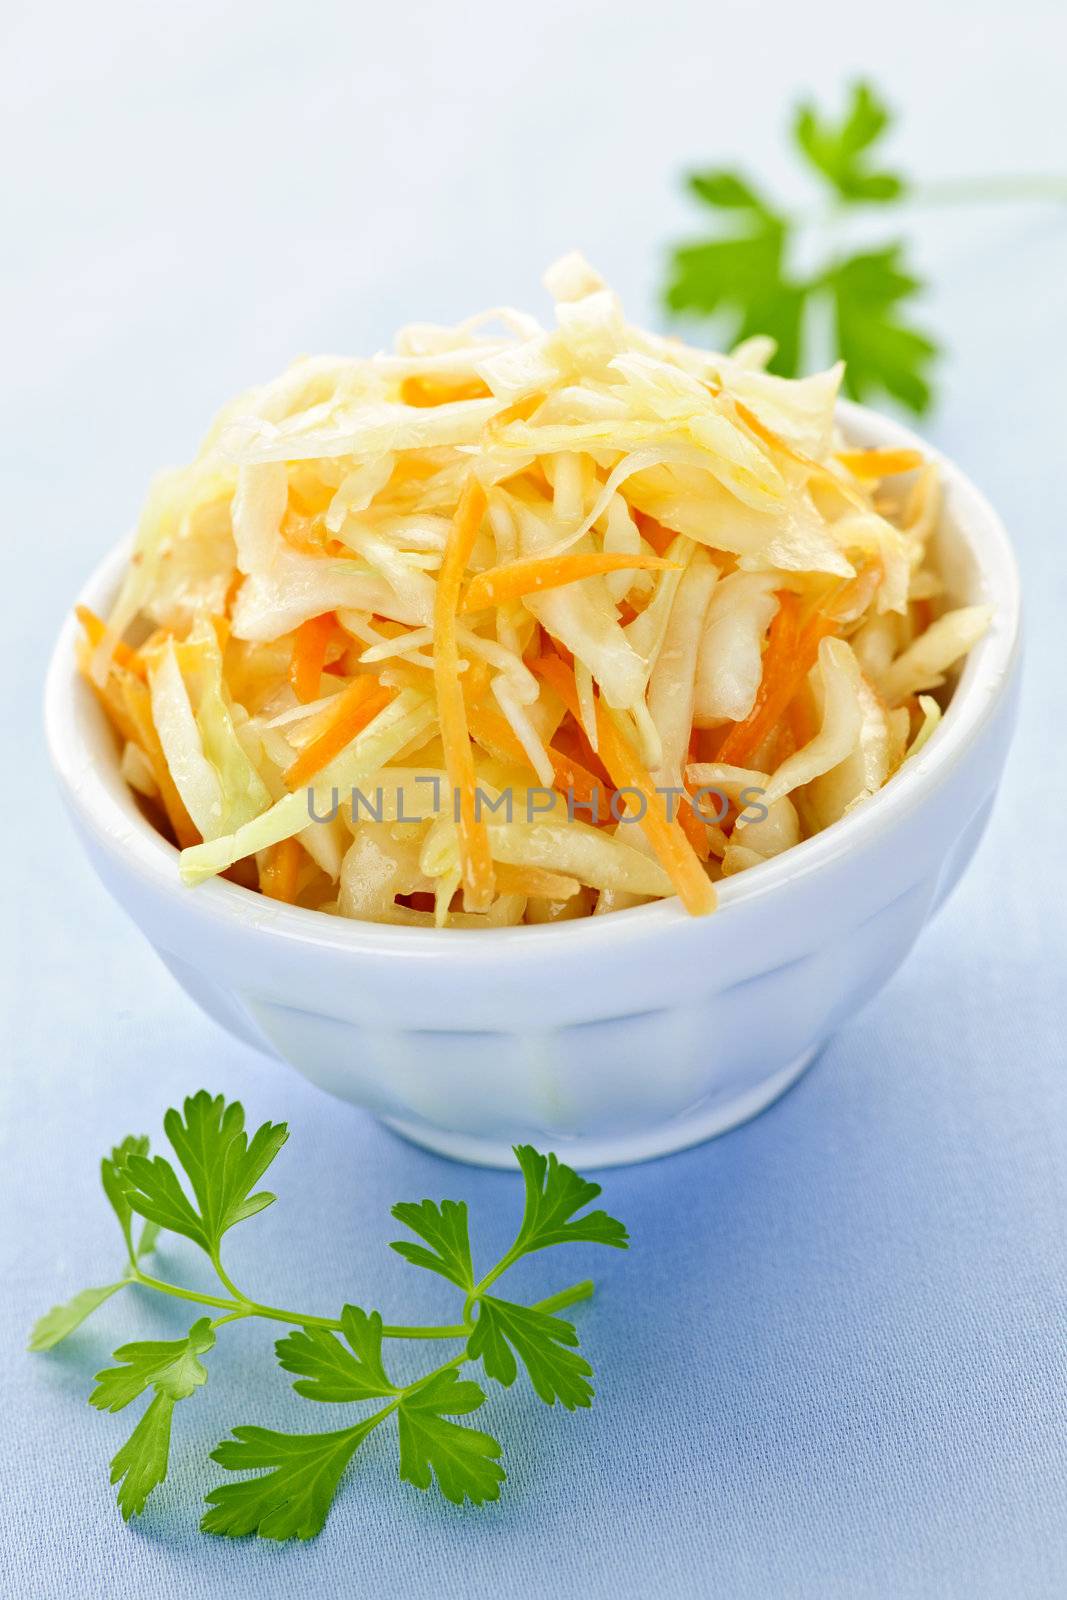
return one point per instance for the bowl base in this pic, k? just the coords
(620, 1150)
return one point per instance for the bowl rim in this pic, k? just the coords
(104, 804)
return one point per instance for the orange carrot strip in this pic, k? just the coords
(139, 708)
(768, 436)
(569, 776)
(571, 742)
(672, 848)
(654, 533)
(876, 463)
(349, 714)
(476, 861)
(789, 657)
(533, 574)
(494, 733)
(792, 650)
(424, 392)
(695, 831)
(309, 655)
(109, 693)
(95, 630)
(279, 875)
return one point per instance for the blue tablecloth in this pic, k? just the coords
(834, 1362)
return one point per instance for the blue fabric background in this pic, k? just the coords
(833, 1364)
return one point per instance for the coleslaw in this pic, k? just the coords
(519, 624)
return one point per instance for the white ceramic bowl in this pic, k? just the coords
(611, 1039)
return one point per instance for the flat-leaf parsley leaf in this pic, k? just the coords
(335, 1360)
(747, 271)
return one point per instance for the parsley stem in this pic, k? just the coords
(1049, 189)
(988, 191)
(566, 1297)
(277, 1314)
(230, 1316)
(196, 1295)
(458, 1330)
(239, 1306)
(389, 1331)
(225, 1279)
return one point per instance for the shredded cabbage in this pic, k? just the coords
(675, 556)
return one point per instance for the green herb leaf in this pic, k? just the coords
(744, 273)
(173, 1369)
(141, 1464)
(113, 1178)
(222, 1164)
(554, 1192)
(170, 1366)
(296, 1475)
(880, 351)
(463, 1460)
(293, 1499)
(444, 1228)
(55, 1325)
(328, 1371)
(732, 192)
(840, 152)
(540, 1341)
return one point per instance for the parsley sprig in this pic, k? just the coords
(336, 1360)
(747, 270)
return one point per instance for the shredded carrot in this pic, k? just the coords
(672, 848)
(139, 709)
(223, 628)
(308, 495)
(535, 882)
(654, 533)
(425, 392)
(584, 787)
(792, 650)
(570, 744)
(244, 873)
(695, 831)
(476, 680)
(789, 657)
(775, 440)
(280, 872)
(310, 643)
(849, 598)
(879, 463)
(703, 744)
(494, 733)
(475, 860)
(122, 655)
(693, 824)
(349, 714)
(109, 693)
(532, 574)
(309, 535)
